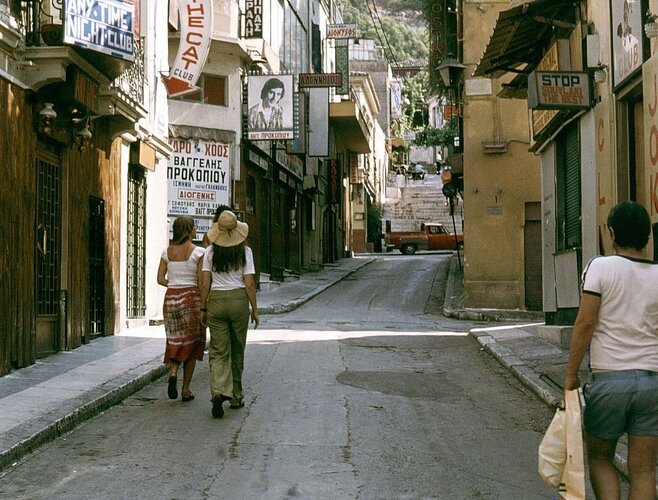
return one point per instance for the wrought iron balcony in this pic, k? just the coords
(132, 81)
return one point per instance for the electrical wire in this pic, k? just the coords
(376, 21)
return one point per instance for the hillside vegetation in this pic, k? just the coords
(396, 25)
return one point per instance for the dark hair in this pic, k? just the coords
(219, 210)
(271, 84)
(183, 227)
(630, 224)
(225, 259)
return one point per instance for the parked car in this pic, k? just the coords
(432, 236)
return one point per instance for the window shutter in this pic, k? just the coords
(572, 207)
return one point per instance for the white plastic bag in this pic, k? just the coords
(553, 450)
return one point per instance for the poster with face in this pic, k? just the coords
(627, 39)
(270, 103)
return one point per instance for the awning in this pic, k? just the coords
(206, 134)
(522, 34)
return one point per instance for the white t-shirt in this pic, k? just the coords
(626, 335)
(183, 273)
(230, 280)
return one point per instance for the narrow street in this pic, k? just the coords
(364, 392)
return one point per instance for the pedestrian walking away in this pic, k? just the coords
(618, 323)
(228, 289)
(180, 272)
(218, 212)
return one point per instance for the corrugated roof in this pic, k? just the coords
(522, 34)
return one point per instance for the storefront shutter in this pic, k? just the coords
(572, 207)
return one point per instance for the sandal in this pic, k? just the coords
(236, 404)
(172, 391)
(188, 397)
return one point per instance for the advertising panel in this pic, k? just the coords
(396, 98)
(270, 102)
(342, 31)
(559, 90)
(198, 180)
(195, 36)
(628, 45)
(253, 19)
(102, 26)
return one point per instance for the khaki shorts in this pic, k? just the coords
(621, 402)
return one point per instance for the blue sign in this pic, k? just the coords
(101, 25)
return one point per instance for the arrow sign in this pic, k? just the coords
(195, 37)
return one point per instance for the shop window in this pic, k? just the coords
(212, 90)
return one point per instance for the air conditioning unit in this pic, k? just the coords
(494, 147)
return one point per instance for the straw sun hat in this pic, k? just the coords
(228, 231)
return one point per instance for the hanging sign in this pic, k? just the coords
(102, 26)
(341, 31)
(307, 80)
(195, 36)
(559, 90)
(253, 19)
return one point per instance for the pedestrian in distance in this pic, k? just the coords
(180, 272)
(218, 212)
(228, 288)
(618, 323)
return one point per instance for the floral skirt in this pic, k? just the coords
(186, 337)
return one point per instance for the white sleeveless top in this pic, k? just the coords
(183, 273)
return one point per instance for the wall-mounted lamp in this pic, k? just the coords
(456, 141)
(651, 26)
(601, 73)
(48, 115)
(450, 70)
(83, 137)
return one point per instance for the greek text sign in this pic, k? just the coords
(195, 36)
(559, 90)
(197, 179)
(320, 80)
(253, 19)
(342, 31)
(101, 25)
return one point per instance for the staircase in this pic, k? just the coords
(417, 202)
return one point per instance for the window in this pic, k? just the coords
(136, 242)
(212, 90)
(568, 190)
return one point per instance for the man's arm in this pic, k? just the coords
(583, 329)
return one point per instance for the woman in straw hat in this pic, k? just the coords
(227, 290)
(180, 271)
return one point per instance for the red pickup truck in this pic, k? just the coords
(432, 236)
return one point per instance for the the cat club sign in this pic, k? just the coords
(196, 21)
(559, 90)
(101, 25)
(197, 179)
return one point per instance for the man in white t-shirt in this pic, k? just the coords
(618, 322)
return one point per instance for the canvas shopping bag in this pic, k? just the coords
(553, 450)
(572, 486)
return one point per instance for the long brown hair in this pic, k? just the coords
(225, 259)
(183, 227)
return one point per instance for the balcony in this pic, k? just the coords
(350, 124)
(47, 63)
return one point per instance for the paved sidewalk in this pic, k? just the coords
(53, 396)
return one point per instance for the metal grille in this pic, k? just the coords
(48, 236)
(136, 242)
(96, 266)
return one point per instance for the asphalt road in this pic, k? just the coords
(364, 392)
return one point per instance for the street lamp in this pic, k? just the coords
(450, 70)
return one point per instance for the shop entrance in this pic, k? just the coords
(48, 251)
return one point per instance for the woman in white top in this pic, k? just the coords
(227, 290)
(179, 271)
(618, 323)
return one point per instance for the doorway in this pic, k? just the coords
(533, 257)
(48, 251)
(96, 266)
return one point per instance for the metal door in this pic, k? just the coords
(96, 266)
(48, 252)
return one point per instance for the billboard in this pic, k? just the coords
(270, 103)
(198, 180)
